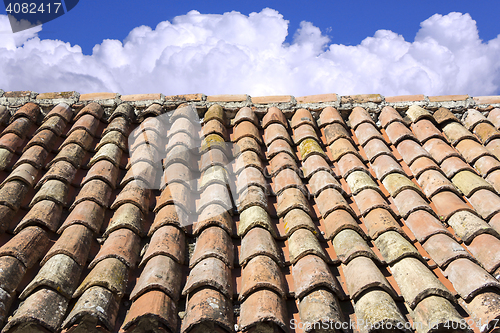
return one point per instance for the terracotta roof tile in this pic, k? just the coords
(360, 218)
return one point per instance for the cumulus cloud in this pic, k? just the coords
(235, 53)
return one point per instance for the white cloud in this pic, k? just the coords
(234, 53)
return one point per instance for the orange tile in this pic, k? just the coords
(317, 98)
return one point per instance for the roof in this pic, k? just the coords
(194, 213)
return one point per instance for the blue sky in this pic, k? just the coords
(346, 22)
(388, 47)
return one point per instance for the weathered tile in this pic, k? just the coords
(136, 193)
(178, 194)
(215, 194)
(467, 225)
(246, 114)
(394, 247)
(486, 203)
(397, 132)
(168, 241)
(379, 221)
(389, 115)
(411, 151)
(417, 282)
(311, 272)
(122, 244)
(215, 112)
(274, 115)
(208, 307)
(278, 146)
(301, 117)
(456, 132)
(45, 307)
(213, 215)
(409, 201)
(433, 182)
(361, 274)
(120, 140)
(303, 242)
(253, 196)
(262, 306)
(87, 123)
(287, 178)
(469, 182)
(62, 170)
(213, 242)
(342, 147)
(423, 225)
(358, 116)
(292, 198)
(152, 306)
(109, 152)
(60, 273)
(93, 109)
(282, 161)
(94, 190)
(12, 272)
(348, 244)
(274, 132)
(350, 163)
(443, 115)
(443, 249)
(13, 193)
(434, 312)
(320, 307)
(27, 246)
(377, 308)
(448, 203)
(88, 213)
(335, 131)
(261, 272)
(142, 171)
(385, 165)
(313, 164)
(73, 154)
(259, 242)
(251, 177)
(484, 247)
(453, 165)
(213, 175)
(366, 132)
(368, 200)
(109, 273)
(248, 159)
(440, 150)
(486, 165)
(322, 180)
(486, 132)
(74, 242)
(186, 126)
(254, 216)
(45, 213)
(95, 304)
(329, 116)
(19, 127)
(247, 129)
(304, 132)
(473, 150)
(425, 130)
(28, 110)
(339, 220)
(470, 284)
(62, 110)
(359, 181)
(210, 272)
(330, 200)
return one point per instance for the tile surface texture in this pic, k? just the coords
(228, 213)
